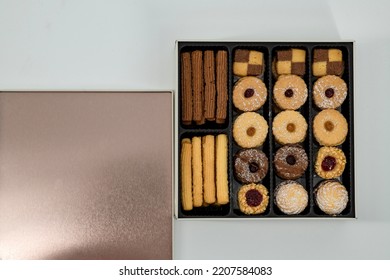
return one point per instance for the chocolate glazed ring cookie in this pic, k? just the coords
(329, 92)
(253, 199)
(250, 130)
(330, 128)
(249, 94)
(289, 127)
(250, 166)
(290, 162)
(290, 92)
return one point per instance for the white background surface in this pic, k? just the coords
(130, 45)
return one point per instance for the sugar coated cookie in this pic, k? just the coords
(249, 94)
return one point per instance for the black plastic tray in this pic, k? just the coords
(310, 179)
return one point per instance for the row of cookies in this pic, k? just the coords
(204, 87)
(330, 129)
(289, 128)
(289, 61)
(250, 130)
(204, 171)
(290, 92)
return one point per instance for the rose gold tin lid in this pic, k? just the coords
(86, 175)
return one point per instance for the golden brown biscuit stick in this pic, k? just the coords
(222, 91)
(222, 169)
(208, 168)
(186, 88)
(197, 177)
(197, 85)
(209, 87)
(186, 175)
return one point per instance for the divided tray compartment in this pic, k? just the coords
(310, 179)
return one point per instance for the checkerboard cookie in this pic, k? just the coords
(291, 61)
(328, 62)
(248, 63)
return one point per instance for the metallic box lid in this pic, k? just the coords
(86, 175)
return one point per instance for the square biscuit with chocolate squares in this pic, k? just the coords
(248, 63)
(290, 62)
(328, 62)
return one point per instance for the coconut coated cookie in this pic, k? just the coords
(331, 197)
(291, 198)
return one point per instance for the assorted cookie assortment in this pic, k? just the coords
(265, 130)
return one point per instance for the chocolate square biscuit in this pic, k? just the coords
(328, 62)
(248, 63)
(291, 61)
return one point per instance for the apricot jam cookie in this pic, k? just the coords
(291, 197)
(329, 92)
(253, 199)
(250, 130)
(330, 162)
(330, 128)
(290, 92)
(249, 94)
(290, 162)
(289, 127)
(331, 197)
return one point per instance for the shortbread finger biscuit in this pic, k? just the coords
(197, 84)
(222, 91)
(209, 87)
(197, 178)
(186, 176)
(221, 167)
(208, 157)
(186, 88)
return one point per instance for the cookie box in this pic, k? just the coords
(206, 72)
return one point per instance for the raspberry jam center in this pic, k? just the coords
(290, 159)
(249, 93)
(328, 164)
(329, 92)
(253, 167)
(253, 198)
(289, 93)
